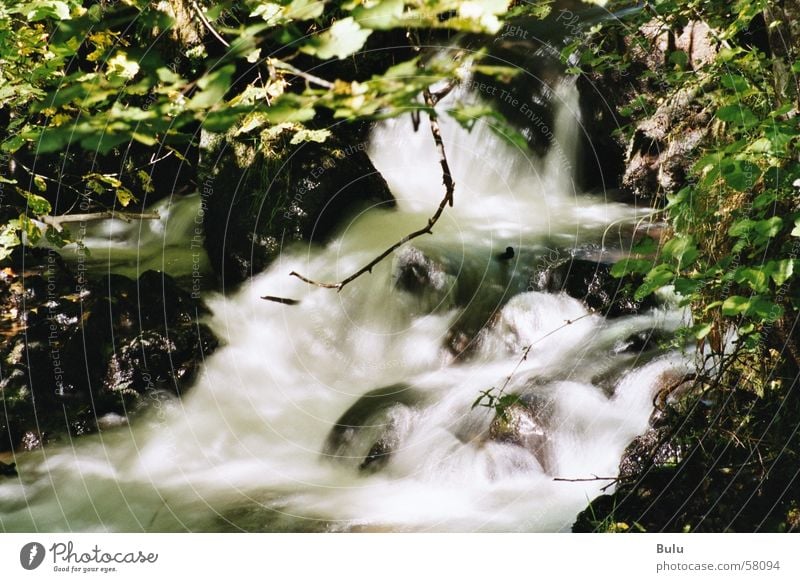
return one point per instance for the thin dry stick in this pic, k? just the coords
(611, 480)
(57, 221)
(295, 71)
(210, 27)
(449, 185)
(281, 300)
(594, 478)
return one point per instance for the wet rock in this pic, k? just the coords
(156, 361)
(656, 158)
(640, 342)
(8, 470)
(663, 146)
(256, 200)
(591, 282)
(441, 280)
(646, 451)
(524, 423)
(368, 433)
(77, 350)
(416, 273)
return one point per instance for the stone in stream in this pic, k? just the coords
(76, 351)
(8, 470)
(524, 424)
(591, 282)
(476, 285)
(368, 432)
(418, 274)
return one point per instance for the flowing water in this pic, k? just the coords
(350, 411)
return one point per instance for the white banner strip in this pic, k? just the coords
(398, 557)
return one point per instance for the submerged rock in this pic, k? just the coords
(418, 274)
(369, 432)
(8, 470)
(76, 351)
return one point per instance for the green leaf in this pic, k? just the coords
(701, 330)
(37, 205)
(125, 196)
(682, 249)
(756, 278)
(9, 238)
(380, 15)
(679, 58)
(735, 305)
(305, 134)
(737, 114)
(213, 87)
(42, 9)
(57, 238)
(33, 233)
(740, 175)
(764, 309)
(768, 228)
(658, 277)
(687, 287)
(796, 229)
(736, 82)
(40, 183)
(628, 266)
(12, 144)
(780, 271)
(341, 40)
(755, 306)
(741, 228)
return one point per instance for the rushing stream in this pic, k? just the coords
(351, 411)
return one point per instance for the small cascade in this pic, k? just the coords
(356, 411)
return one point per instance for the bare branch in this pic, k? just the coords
(612, 480)
(447, 179)
(210, 27)
(57, 221)
(295, 71)
(282, 300)
(449, 185)
(594, 478)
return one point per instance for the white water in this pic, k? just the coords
(246, 449)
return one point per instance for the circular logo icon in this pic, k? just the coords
(31, 555)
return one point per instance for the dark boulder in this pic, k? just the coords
(259, 197)
(78, 351)
(416, 273)
(8, 470)
(591, 282)
(652, 449)
(369, 432)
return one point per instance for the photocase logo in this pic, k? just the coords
(31, 555)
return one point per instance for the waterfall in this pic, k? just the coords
(352, 411)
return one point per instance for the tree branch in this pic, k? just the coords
(210, 27)
(57, 221)
(612, 480)
(449, 185)
(297, 72)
